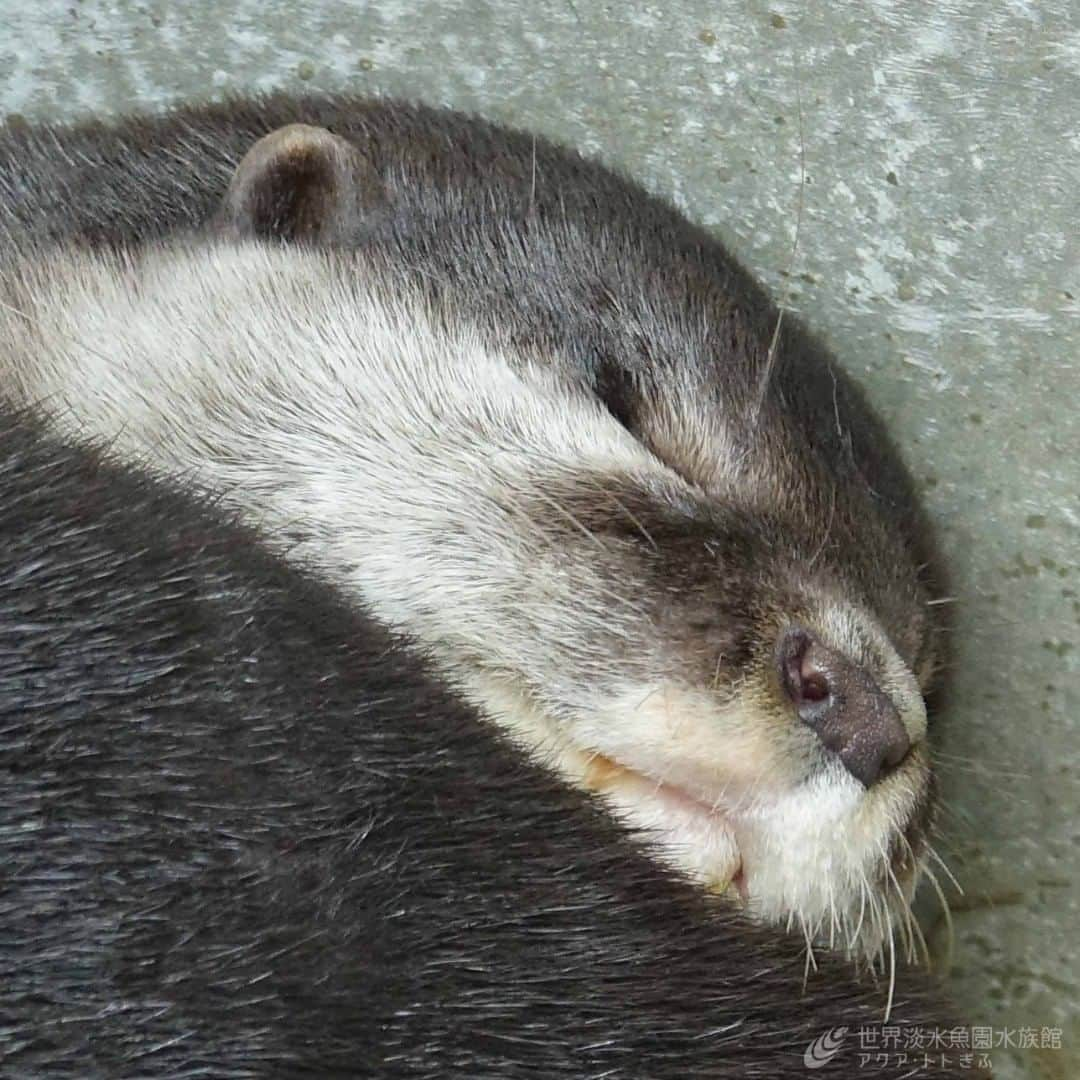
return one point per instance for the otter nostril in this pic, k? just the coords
(815, 687)
(804, 680)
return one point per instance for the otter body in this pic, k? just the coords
(526, 413)
(243, 833)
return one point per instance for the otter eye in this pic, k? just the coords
(615, 388)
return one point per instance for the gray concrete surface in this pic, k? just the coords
(939, 252)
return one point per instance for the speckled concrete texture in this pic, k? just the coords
(939, 252)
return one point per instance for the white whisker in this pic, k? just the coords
(947, 913)
(892, 972)
(930, 850)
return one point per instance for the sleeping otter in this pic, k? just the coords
(244, 834)
(526, 413)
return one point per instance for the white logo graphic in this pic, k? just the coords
(824, 1048)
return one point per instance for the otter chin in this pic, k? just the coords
(760, 861)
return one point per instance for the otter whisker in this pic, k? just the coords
(811, 962)
(908, 918)
(892, 970)
(947, 914)
(621, 601)
(958, 814)
(921, 939)
(832, 917)
(828, 530)
(652, 693)
(880, 928)
(980, 767)
(640, 528)
(919, 866)
(532, 185)
(716, 673)
(835, 404)
(770, 356)
(563, 512)
(932, 852)
(863, 885)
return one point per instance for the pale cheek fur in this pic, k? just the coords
(720, 753)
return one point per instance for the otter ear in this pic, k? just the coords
(299, 183)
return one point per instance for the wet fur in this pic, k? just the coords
(243, 834)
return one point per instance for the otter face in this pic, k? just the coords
(742, 705)
(686, 577)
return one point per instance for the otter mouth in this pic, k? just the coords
(700, 835)
(702, 841)
(822, 856)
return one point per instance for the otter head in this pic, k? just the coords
(748, 694)
(710, 609)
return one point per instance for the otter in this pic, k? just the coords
(529, 415)
(244, 832)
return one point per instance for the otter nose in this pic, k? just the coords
(847, 710)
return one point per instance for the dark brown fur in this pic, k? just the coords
(242, 835)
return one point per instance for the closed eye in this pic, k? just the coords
(616, 388)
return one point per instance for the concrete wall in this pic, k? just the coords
(938, 252)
